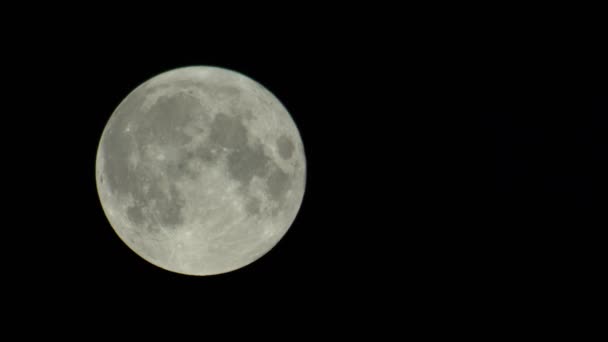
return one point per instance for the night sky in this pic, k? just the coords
(447, 165)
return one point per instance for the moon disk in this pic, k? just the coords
(200, 170)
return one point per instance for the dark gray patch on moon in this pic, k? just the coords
(285, 146)
(182, 167)
(247, 115)
(278, 183)
(135, 214)
(117, 146)
(206, 153)
(247, 162)
(163, 123)
(228, 131)
(253, 206)
(171, 213)
(168, 206)
(244, 161)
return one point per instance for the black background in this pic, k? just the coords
(451, 165)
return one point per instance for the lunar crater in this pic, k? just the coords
(285, 147)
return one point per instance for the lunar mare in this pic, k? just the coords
(200, 170)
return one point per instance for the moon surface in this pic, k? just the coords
(200, 170)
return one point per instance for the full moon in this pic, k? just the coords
(200, 170)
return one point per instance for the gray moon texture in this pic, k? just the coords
(200, 170)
